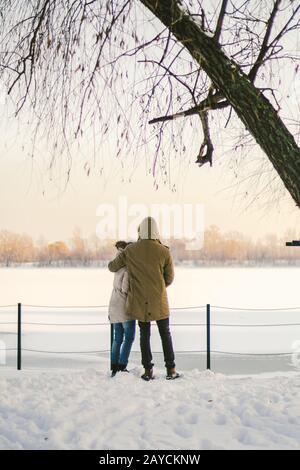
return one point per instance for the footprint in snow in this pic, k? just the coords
(206, 444)
(220, 419)
(183, 431)
(182, 409)
(192, 419)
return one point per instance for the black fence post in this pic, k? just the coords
(208, 336)
(19, 352)
(111, 341)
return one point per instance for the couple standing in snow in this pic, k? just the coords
(142, 270)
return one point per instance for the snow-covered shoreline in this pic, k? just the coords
(86, 409)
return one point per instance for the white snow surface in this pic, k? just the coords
(87, 409)
(69, 401)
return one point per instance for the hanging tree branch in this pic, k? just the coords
(264, 47)
(220, 20)
(67, 59)
(212, 102)
(254, 110)
(206, 148)
(209, 103)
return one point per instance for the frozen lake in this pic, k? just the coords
(242, 287)
(79, 337)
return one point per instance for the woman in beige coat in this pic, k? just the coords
(150, 270)
(123, 324)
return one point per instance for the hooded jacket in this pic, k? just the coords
(117, 304)
(150, 271)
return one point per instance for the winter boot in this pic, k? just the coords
(123, 368)
(114, 369)
(172, 374)
(148, 375)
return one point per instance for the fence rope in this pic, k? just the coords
(157, 352)
(172, 308)
(101, 324)
(188, 308)
(235, 325)
(66, 352)
(256, 309)
(252, 354)
(65, 306)
(64, 324)
(257, 325)
(229, 353)
(104, 306)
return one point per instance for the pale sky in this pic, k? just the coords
(236, 195)
(24, 207)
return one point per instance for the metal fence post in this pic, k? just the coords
(208, 336)
(111, 342)
(19, 352)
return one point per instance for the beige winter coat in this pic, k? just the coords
(150, 270)
(117, 304)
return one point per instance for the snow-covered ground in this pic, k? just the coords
(86, 409)
(65, 399)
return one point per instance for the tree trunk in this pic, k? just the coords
(254, 109)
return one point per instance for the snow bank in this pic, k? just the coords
(86, 409)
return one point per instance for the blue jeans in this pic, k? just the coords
(123, 337)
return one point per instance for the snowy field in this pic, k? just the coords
(86, 409)
(64, 397)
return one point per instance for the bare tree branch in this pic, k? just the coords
(210, 103)
(220, 20)
(264, 47)
(248, 102)
(207, 145)
(87, 71)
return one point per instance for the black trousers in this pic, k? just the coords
(166, 340)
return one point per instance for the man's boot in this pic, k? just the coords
(172, 374)
(148, 375)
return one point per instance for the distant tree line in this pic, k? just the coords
(228, 248)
